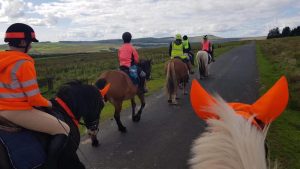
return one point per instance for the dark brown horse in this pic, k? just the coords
(122, 88)
(177, 73)
(84, 101)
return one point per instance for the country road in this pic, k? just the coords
(162, 139)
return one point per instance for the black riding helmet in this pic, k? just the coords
(126, 37)
(17, 32)
(184, 37)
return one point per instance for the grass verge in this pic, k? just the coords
(275, 60)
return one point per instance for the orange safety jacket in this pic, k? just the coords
(18, 83)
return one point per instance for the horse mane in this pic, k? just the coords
(81, 98)
(230, 142)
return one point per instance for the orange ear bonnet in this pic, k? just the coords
(267, 108)
(104, 90)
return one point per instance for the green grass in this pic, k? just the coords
(63, 63)
(276, 58)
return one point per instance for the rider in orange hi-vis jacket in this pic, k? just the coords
(19, 92)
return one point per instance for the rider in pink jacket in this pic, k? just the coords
(128, 57)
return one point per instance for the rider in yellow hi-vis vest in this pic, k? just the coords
(176, 51)
(187, 49)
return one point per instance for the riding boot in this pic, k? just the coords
(55, 149)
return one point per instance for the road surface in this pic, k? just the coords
(162, 139)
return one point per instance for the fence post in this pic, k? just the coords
(50, 83)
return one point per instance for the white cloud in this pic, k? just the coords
(12, 8)
(104, 19)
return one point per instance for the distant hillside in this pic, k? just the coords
(143, 42)
(112, 45)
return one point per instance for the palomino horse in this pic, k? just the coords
(176, 73)
(236, 132)
(80, 100)
(202, 63)
(122, 88)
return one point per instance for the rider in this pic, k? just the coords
(19, 92)
(187, 48)
(176, 51)
(208, 47)
(128, 57)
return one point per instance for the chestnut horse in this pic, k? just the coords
(236, 132)
(177, 73)
(122, 88)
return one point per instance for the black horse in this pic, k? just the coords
(84, 101)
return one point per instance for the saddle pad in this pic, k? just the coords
(24, 149)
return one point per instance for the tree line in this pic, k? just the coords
(286, 31)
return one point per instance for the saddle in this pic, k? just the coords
(8, 126)
(25, 151)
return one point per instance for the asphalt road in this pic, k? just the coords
(162, 139)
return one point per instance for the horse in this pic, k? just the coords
(122, 88)
(202, 62)
(236, 132)
(81, 100)
(177, 73)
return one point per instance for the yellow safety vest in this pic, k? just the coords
(177, 50)
(185, 44)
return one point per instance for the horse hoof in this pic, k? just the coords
(169, 101)
(123, 130)
(174, 103)
(95, 143)
(136, 118)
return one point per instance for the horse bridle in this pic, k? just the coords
(93, 126)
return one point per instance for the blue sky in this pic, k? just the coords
(56, 20)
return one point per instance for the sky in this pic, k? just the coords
(82, 20)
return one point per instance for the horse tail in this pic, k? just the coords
(202, 65)
(171, 82)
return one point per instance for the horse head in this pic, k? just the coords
(146, 66)
(236, 132)
(84, 101)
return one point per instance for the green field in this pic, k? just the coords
(46, 48)
(63, 67)
(278, 57)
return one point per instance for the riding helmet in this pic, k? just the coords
(126, 37)
(178, 36)
(184, 37)
(20, 31)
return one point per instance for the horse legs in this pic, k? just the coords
(137, 117)
(184, 88)
(118, 108)
(133, 105)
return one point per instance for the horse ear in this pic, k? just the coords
(104, 90)
(268, 107)
(201, 100)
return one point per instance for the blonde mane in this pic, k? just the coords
(231, 142)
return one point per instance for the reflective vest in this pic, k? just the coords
(206, 46)
(185, 44)
(177, 50)
(18, 84)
